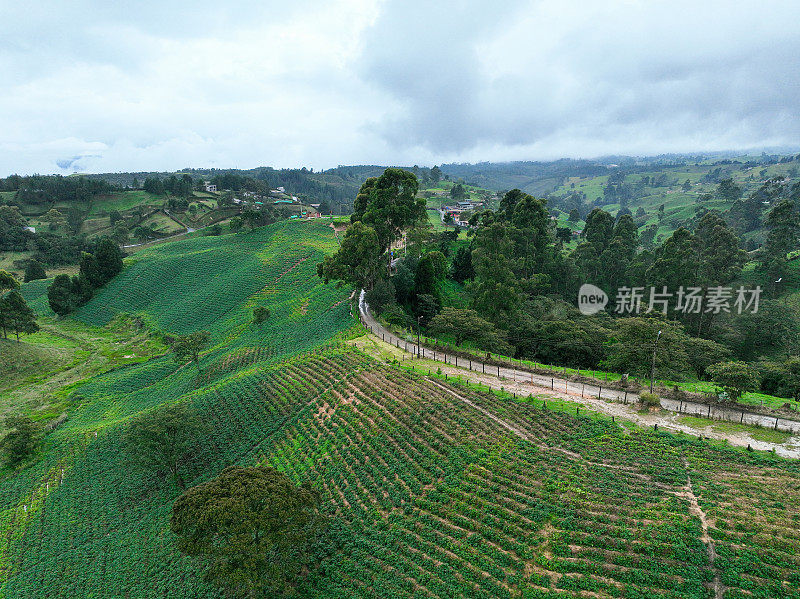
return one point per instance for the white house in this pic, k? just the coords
(210, 187)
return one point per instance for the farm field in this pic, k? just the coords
(435, 489)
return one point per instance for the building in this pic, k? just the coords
(31, 229)
(211, 188)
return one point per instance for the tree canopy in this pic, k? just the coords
(253, 527)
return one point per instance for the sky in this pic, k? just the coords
(99, 86)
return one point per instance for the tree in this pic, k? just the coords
(574, 215)
(260, 315)
(461, 269)
(324, 207)
(7, 283)
(188, 347)
(381, 295)
(783, 222)
(389, 204)
(165, 440)
(631, 348)
(457, 192)
(17, 315)
(426, 280)
(728, 190)
(254, 528)
(109, 259)
(467, 325)
(20, 440)
(34, 271)
(436, 174)
(358, 260)
(65, 293)
(735, 378)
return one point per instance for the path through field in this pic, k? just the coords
(607, 401)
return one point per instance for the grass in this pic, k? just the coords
(39, 373)
(756, 432)
(123, 201)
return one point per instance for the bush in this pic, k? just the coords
(649, 400)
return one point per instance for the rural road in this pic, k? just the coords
(609, 401)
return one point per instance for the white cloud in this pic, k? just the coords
(104, 87)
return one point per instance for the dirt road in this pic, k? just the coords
(608, 401)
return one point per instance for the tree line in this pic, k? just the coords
(520, 285)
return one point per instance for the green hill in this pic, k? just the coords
(430, 495)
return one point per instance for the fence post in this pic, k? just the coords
(776, 424)
(709, 411)
(626, 397)
(741, 420)
(484, 367)
(552, 383)
(582, 387)
(599, 391)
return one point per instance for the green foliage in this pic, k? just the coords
(735, 378)
(34, 271)
(631, 349)
(466, 325)
(252, 526)
(165, 441)
(358, 261)
(20, 440)
(381, 295)
(66, 294)
(260, 315)
(16, 315)
(389, 204)
(7, 282)
(649, 400)
(187, 348)
(461, 269)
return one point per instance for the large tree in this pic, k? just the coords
(253, 527)
(358, 260)
(389, 204)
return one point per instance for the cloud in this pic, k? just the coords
(102, 87)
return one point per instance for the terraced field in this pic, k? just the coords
(435, 490)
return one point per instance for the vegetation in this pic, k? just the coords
(19, 442)
(187, 348)
(253, 526)
(434, 489)
(165, 440)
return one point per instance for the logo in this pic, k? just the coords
(591, 299)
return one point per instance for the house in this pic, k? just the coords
(465, 205)
(31, 229)
(211, 188)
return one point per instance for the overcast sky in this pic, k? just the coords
(98, 86)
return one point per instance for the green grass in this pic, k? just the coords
(122, 201)
(756, 432)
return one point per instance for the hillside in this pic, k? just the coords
(435, 490)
